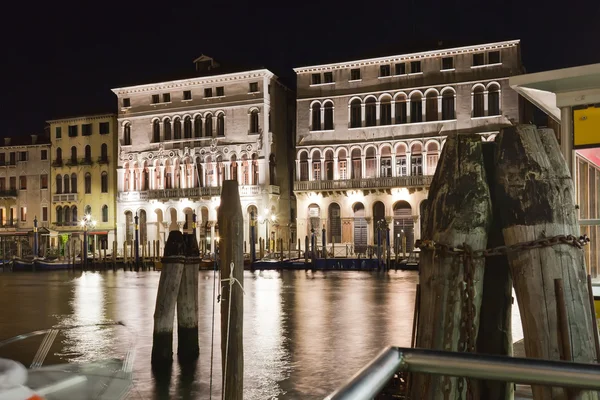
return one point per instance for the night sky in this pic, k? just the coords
(63, 61)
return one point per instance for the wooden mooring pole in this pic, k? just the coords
(231, 230)
(168, 289)
(188, 349)
(535, 189)
(451, 283)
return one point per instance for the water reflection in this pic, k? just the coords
(305, 333)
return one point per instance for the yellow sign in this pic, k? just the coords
(586, 127)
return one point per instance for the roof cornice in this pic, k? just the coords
(407, 57)
(197, 81)
(82, 118)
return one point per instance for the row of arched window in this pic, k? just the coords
(67, 215)
(417, 106)
(68, 184)
(87, 154)
(189, 127)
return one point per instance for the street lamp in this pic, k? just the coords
(86, 222)
(35, 237)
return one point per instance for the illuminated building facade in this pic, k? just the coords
(370, 132)
(24, 188)
(178, 141)
(83, 178)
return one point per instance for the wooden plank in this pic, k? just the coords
(188, 348)
(536, 192)
(459, 211)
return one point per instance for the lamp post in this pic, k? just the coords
(137, 242)
(86, 223)
(35, 237)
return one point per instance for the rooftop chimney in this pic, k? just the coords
(34, 139)
(7, 141)
(205, 64)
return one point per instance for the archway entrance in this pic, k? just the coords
(360, 228)
(404, 224)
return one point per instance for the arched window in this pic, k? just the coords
(104, 153)
(59, 215)
(316, 117)
(87, 210)
(167, 129)
(370, 112)
(401, 161)
(198, 126)
(127, 134)
(88, 154)
(401, 111)
(355, 114)
(104, 182)
(254, 127)
(177, 128)
(208, 130)
(142, 227)
(58, 184)
(221, 125)
(245, 170)
(328, 120)
(74, 214)
(494, 100)
(156, 131)
(67, 215)
(58, 155)
(385, 111)
(128, 226)
(328, 165)
(304, 166)
(385, 162)
(416, 107)
(66, 183)
(416, 160)
(187, 127)
(233, 168)
(433, 155)
(105, 213)
(478, 102)
(431, 104)
(370, 163)
(88, 183)
(316, 166)
(356, 164)
(73, 155)
(73, 182)
(272, 170)
(448, 105)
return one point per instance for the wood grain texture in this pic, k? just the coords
(536, 192)
(231, 231)
(188, 348)
(459, 211)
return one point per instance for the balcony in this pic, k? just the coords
(102, 160)
(66, 223)
(211, 191)
(8, 194)
(366, 183)
(86, 161)
(71, 162)
(57, 163)
(64, 197)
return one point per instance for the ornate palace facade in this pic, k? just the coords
(178, 141)
(370, 132)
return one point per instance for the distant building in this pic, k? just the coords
(83, 179)
(24, 192)
(370, 132)
(178, 141)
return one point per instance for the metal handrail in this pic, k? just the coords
(370, 380)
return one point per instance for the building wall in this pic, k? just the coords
(96, 166)
(416, 142)
(165, 178)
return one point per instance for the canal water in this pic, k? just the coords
(305, 333)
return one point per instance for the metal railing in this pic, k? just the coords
(245, 190)
(369, 381)
(364, 183)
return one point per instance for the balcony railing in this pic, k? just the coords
(103, 160)
(245, 190)
(8, 193)
(86, 161)
(57, 163)
(65, 197)
(66, 223)
(365, 183)
(71, 162)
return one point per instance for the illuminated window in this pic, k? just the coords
(44, 181)
(23, 214)
(22, 183)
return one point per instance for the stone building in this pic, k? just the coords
(370, 132)
(24, 190)
(178, 141)
(83, 179)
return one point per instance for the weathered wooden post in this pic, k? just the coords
(495, 326)
(536, 191)
(168, 289)
(306, 250)
(451, 280)
(231, 230)
(187, 303)
(290, 248)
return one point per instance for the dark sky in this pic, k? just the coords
(62, 60)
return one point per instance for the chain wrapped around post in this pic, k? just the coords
(467, 325)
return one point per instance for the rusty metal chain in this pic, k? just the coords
(503, 250)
